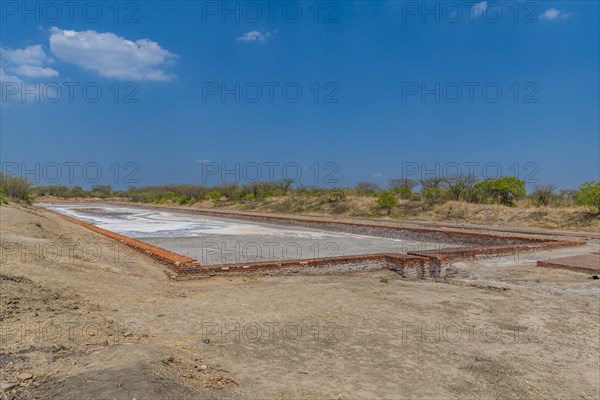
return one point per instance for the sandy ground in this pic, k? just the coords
(89, 319)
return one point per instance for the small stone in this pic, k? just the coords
(6, 386)
(168, 360)
(203, 366)
(24, 376)
(127, 334)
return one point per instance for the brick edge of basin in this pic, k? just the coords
(155, 252)
(588, 263)
(431, 263)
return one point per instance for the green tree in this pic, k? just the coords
(589, 195)
(505, 190)
(387, 201)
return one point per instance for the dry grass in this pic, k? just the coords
(569, 218)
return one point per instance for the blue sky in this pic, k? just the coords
(388, 89)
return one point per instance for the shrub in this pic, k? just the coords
(504, 190)
(215, 196)
(589, 195)
(387, 201)
(566, 198)
(336, 195)
(404, 192)
(403, 187)
(101, 191)
(543, 196)
(3, 197)
(16, 187)
(433, 195)
(459, 187)
(365, 189)
(237, 194)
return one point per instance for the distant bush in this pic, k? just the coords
(460, 187)
(15, 187)
(403, 187)
(589, 195)
(432, 192)
(543, 196)
(101, 191)
(3, 196)
(366, 189)
(336, 195)
(504, 190)
(215, 196)
(387, 201)
(433, 196)
(566, 198)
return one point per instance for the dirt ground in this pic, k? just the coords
(82, 317)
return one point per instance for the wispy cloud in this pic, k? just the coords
(31, 62)
(112, 56)
(255, 37)
(378, 175)
(33, 71)
(552, 14)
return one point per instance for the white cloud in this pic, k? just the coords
(254, 36)
(31, 55)
(112, 56)
(552, 14)
(33, 71)
(479, 8)
(5, 78)
(29, 62)
(378, 175)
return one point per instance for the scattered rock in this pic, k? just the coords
(168, 360)
(6, 386)
(206, 341)
(594, 276)
(24, 376)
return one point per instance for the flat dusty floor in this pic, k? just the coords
(90, 319)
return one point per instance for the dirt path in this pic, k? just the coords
(89, 318)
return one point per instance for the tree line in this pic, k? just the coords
(430, 192)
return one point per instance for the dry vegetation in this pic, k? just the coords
(524, 215)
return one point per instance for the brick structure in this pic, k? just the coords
(417, 264)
